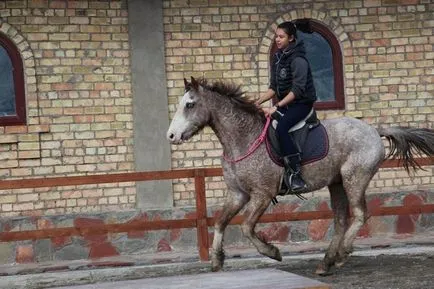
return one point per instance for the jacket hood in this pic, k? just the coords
(295, 47)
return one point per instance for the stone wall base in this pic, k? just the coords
(183, 240)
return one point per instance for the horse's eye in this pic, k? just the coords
(189, 105)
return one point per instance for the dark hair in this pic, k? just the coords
(291, 27)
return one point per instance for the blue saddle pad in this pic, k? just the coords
(315, 147)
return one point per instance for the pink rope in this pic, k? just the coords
(254, 146)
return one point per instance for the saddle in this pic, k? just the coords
(308, 135)
(298, 132)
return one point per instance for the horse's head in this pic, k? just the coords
(191, 116)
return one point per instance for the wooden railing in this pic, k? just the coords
(201, 221)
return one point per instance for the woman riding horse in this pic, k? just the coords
(356, 151)
(291, 80)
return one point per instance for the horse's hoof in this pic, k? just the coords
(276, 254)
(342, 258)
(278, 257)
(216, 268)
(322, 270)
(341, 261)
(217, 260)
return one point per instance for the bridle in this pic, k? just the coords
(254, 146)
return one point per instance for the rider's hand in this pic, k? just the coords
(269, 110)
(258, 103)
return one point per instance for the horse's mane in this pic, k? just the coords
(234, 93)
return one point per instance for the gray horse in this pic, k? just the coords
(355, 154)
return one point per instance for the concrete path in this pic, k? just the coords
(251, 279)
(67, 276)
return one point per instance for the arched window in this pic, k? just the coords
(325, 57)
(12, 97)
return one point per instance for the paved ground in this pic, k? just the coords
(407, 271)
(241, 279)
(409, 267)
(378, 272)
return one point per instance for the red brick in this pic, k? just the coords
(87, 223)
(83, 118)
(381, 42)
(44, 224)
(24, 254)
(138, 234)
(317, 229)
(406, 223)
(163, 246)
(367, 229)
(275, 232)
(16, 129)
(104, 249)
(62, 86)
(59, 242)
(175, 234)
(57, 4)
(285, 208)
(104, 86)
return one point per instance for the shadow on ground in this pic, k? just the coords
(378, 272)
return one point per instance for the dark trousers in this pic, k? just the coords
(292, 114)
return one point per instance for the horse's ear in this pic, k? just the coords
(194, 83)
(185, 83)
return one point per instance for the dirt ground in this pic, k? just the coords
(409, 267)
(379, 272)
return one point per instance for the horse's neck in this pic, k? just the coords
(236, 131)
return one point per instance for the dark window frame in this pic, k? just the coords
(339, 102)
(20, 118)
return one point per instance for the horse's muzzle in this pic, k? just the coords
(173, 139)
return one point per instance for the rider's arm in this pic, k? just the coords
(287, 99)
(299, 69)
(266, 96)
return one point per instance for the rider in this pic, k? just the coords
(291, 81)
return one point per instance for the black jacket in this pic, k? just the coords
(291, 72)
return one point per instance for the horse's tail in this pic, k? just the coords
(406, 142)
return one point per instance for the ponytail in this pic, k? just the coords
(291, 27)
(303, 25)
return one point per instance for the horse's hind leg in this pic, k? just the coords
(233, 204)
(257, 206)
(339, 203)
(355, 184)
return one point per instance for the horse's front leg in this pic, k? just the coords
(257, 206)
(235, 201)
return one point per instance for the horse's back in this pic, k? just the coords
(353, 146)
(352, 130)
(353, 138)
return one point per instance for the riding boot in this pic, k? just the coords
(292, 175)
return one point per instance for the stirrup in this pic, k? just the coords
(285, 191)
(291, 184)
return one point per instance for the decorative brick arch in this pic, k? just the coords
(29, 70)
(267, 43)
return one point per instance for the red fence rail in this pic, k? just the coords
(201, 222)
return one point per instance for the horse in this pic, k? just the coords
(356, 151)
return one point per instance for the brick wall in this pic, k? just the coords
(388, 63)
(77, 74)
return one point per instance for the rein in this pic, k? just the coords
(254, 146)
